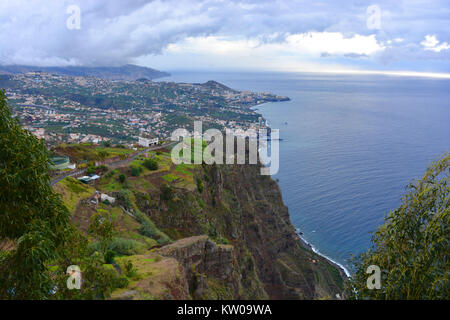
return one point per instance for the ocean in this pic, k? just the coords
(350, 146)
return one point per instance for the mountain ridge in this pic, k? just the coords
(125, 72)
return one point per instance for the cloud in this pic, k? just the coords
(431, 43)
(310, 43)
(115, 32)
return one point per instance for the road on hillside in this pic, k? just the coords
(112, 165)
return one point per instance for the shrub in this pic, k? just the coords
(123, 198)
(130, 272)
(127, 247)
(135, 172)
(122, 178)
(102, 168)
(120, 282)
(166, 192)
(150, 164)
(119, 246)
(199, 185)
(110, 174)
(90, 169)
(109, 256)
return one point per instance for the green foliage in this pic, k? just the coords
(102, 229)
(121, 246)
(30, 212)
(33, 215)
(102, 154)
(74, 185)
(166, 192)
(109, 256)
(199, 185)
(136, 171)
(150, 164)
(97, 281)
(122, 178)
(170, 177)
(147, 228)
(110, 174)
(130, 271)
(412, 247)
(91, 169)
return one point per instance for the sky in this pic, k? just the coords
(394, 37)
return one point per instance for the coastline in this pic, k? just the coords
(302, 239)
(311, 247)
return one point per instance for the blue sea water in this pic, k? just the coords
(351, 144)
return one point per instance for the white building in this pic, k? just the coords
(144, 142)
(104, 197)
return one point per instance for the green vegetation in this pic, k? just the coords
(148, 228)
(90, 152)
(30, 212)
(122, 246)
(412, 247)
(166, 192)
(136, 171)
(150, 164)
(102, 229)
(199, 185)
(72, 191)
(184, 168)
(34, 219)
(170, 177)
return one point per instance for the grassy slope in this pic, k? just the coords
(188, 212)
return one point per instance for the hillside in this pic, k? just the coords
(126, 72)
(201, 232)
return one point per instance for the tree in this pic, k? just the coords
(31, 213)
(135, 172)
(103, 154)
(102, 229)
(150, 164)
(34, 218)
(412, 247)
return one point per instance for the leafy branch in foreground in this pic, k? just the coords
(412, 247)
(30, 212)
(37, 241)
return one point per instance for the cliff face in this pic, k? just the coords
(240, 207)
(222, 231)
(207, 266)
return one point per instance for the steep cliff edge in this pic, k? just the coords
(238, 206)
(223, 230)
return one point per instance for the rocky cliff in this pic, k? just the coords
(208, 232)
